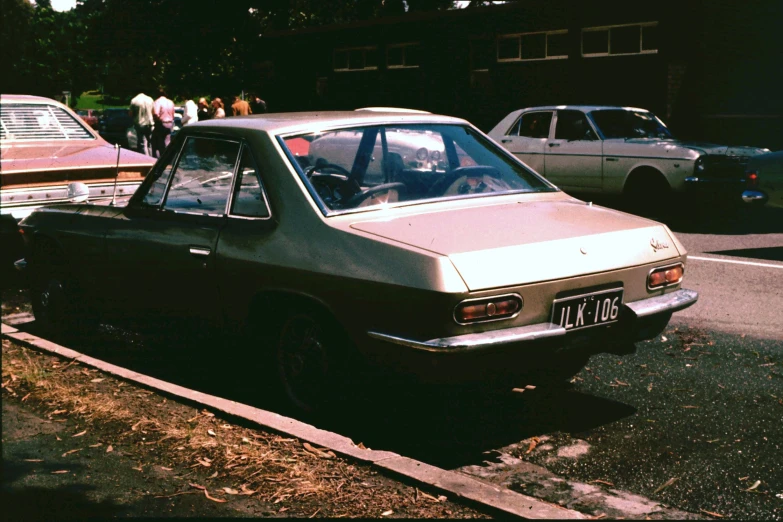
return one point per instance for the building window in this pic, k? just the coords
(402, 56)
(356, 59)
(620, 40)
(549, 45)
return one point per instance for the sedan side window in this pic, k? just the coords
(202, 179)
(534, 124)
(249, 196)
(572, 125)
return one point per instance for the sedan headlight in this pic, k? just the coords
(488, 309)
(699, 166)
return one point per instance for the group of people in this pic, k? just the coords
(153, 120)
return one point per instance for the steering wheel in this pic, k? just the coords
(360, 197)
(326, 168)
(440, 187)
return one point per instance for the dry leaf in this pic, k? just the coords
(246, 490)
(206, 493)
(26, 396)
(80, 434)
(754, 486)
(649, 387)
(621, 383)
(215, 474)
(211, 433)
(533, 442)
(59, 472)
(231, 491)
(33, 460)
(57, 437)
(322, 453)
(387, 513)
(140, 468)
(602, 482)
(57, 412)
(690, 407)
(109, 449)
(96, 445)
(69, 452)
(711, 513)
(666, 484)
(165, 468)
(97, 380)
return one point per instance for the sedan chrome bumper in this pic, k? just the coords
(645, 308)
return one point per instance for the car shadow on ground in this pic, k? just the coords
(702, 215)
(447, 426)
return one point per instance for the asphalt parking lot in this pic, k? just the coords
(691, 420)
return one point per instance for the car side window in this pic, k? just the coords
(160, 178)
(202, 179)
(249, 196)
(573, 125)
(533, 125)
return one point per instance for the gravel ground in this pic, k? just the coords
(77, 442)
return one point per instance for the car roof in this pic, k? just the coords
(292, 122)
(26, 98)
(585, 108)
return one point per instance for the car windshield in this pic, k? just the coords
(373, 166)
(622, 123)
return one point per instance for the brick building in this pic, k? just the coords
(712, 69)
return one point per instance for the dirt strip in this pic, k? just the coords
(317, 443)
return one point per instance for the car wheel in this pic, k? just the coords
(56, 310)
(310, 369)
(648, 191)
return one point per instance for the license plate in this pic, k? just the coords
(584, 311)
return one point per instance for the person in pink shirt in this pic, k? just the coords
(163, 114)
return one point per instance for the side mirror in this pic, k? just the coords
(78, 192)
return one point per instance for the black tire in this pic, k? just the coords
(312, 361)
(647, 191)
(57, 310)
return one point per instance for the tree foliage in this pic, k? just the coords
(131, 46)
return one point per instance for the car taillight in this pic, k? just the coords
(751, 179)
(664, 276)
(488, 309)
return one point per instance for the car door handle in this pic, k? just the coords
(554, 144)
(200, 251)
(505, 141)
(612, 159)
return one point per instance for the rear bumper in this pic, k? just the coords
(646, 309)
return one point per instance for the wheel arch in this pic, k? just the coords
(639, 172)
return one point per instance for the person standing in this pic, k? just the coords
(257, 105)
(163, 113)
(141, 107)
(217, 108)
(191, 112)
(240, 107)
(203, 110)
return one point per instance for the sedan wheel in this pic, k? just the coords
(303, 362)
(51, 306)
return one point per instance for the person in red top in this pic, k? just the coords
(163, 115)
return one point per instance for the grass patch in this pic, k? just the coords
(96, 100)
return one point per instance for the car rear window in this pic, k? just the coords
(378, 165)
(32, 121)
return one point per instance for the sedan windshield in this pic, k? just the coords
(383, 164)
(622, 123)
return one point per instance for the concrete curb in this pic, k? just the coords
(455, 483)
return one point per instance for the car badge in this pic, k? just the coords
(583, 250)
(658, 245)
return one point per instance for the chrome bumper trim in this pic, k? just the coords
(20, 265)
(471, 342)
(666, 303)
(754, 197)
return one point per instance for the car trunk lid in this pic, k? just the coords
(526, 242)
